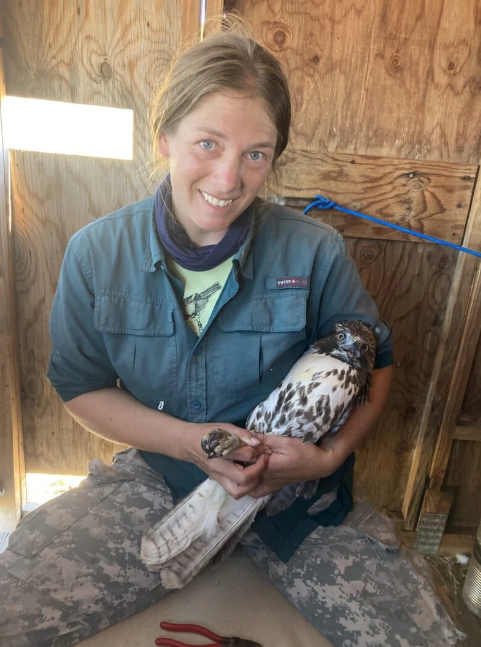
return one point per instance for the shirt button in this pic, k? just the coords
(198, 350)
(377, 330)
(196, 405)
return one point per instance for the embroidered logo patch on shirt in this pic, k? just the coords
(292, 282)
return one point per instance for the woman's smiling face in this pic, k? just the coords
(219, 158)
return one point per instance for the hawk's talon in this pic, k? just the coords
(219, 443)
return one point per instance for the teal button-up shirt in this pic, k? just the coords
(118, 316)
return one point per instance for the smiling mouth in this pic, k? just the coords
(215, 202)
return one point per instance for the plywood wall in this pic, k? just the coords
(103, 53)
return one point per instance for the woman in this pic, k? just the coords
(196, 303)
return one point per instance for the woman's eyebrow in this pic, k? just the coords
(217, 133)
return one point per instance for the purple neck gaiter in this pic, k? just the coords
(178, 245)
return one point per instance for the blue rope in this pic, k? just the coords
(323, 203)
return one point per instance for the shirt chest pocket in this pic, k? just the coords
(139, 336)
(258, 342)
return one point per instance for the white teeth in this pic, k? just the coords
(216, 202)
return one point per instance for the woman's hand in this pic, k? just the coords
(237, 479)
(292, 461)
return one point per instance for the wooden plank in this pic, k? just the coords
(432, 198)
(468, 433)
(112, 55)
(12, 472)
(462, 369)
(462, 323)
(191, 21)
(411, 286)
(463, 479)
(391, 79)
(101, 53)
(470, 415)
(48, 211)
(213, 17)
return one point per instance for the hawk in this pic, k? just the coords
(311, 403)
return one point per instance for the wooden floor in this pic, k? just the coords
(449, 578)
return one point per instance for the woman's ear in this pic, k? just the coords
(163, 143)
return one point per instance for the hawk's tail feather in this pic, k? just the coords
(194, 517)
(234, 521)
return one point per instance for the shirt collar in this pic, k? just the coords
(154, 252)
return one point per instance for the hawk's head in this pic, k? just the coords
(352, 342)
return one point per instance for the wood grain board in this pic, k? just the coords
(12, 472)
(470, 415)
(373, 77)
(431, 198)
(49, 210)
(463, 480)
(411, 285)
(100, 53)
(468, 433)
(110, 54)
(191, 20)
(454, 360)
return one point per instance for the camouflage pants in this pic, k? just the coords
(72, 568)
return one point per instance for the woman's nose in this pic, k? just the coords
(227, 174)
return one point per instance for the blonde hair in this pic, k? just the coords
(227, 60)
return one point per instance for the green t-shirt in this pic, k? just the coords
(201, 291)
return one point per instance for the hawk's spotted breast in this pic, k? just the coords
(325, 383)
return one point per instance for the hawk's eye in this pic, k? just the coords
(341, 336)
(365, 348)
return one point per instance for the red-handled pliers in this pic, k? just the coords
(202, 631)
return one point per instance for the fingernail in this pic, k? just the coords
(253, 441)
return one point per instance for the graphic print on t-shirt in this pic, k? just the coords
(195, 304)
(201, 291)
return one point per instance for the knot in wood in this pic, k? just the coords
(417, 185)
(277, 35)
(279, 38)
(367, 255)
(444, 262)
(410, 411)
(106, 70)
(395, 60)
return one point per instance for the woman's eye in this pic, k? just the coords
(207, 145)
(255, 156)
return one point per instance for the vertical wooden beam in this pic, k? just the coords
(192, 27)
(12, 472)
(213, 17)
(191, 23)
(453, 365)
(462, 371)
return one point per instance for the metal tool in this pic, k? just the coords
(202, 631)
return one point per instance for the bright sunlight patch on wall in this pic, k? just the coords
(68, 128)
(43, 487)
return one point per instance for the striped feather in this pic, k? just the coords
(195, 516)
(235, 519)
